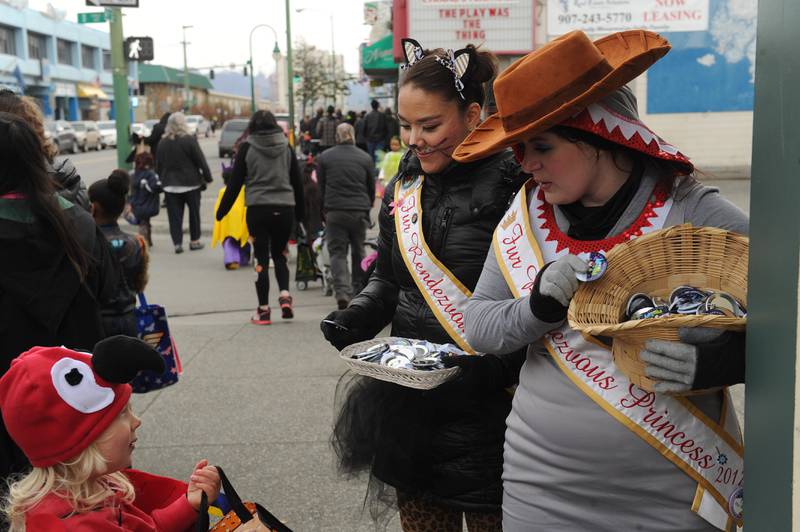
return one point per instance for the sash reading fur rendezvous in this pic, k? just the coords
(709, 451)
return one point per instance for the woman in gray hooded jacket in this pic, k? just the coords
(267, 167)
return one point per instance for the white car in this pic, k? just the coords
(198, 125)
(108, 133)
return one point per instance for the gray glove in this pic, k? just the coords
(676, 366)
(558, 279)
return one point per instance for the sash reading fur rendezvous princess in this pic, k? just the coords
(444, 293)
(709, 452)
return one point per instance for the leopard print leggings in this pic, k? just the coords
(419, 515)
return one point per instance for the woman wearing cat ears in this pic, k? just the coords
(439, 451)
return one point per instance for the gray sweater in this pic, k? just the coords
(568, 465)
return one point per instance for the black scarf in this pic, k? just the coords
(594, 223)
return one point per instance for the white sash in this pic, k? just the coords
(445, 294)
(709, 452)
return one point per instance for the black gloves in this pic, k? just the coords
(344, 327)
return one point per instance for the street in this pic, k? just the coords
(257, 400)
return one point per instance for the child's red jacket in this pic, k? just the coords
(160, 506)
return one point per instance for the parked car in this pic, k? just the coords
(140, 129)
(62, 134)
(198, 125)
(108, 133)
(88, 135)
(231, 131)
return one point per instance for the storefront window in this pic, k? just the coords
(65, 52)
(7, 42)
(107, 60)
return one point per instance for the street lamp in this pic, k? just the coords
(186, 98)
(333, 50)
(276, 54)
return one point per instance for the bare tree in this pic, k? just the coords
(313, 67)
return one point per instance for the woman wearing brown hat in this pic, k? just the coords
(585, 449)
(438, 453)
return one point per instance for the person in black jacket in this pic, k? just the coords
(157, 133)
(375, 130)
(441, 450)
(184, 175)
(267, 167)
(346, 177)
(55, 263)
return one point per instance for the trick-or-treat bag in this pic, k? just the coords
(152, 328)
(243, 517)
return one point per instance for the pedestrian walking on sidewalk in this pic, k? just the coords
(346, 177)
(107, 198)
(55, 263)
(184, 174)
(436, 454)
(267, 168)
(145, 194)
(375, 130)
(326, 129)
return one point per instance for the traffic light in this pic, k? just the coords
(244, 71)
(211, 73)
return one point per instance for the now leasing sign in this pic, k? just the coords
(502, 26)
(606, 16)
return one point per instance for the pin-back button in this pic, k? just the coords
(597, 267)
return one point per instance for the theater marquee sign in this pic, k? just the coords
(505, 27)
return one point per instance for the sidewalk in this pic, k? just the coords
(257, 400)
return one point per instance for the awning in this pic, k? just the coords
(90, 91)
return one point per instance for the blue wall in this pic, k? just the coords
(710, 70)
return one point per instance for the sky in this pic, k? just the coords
(221, 28)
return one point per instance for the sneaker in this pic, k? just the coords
(286, 307)
(261, 317)
(232, 266)
(194, 246)
(178, 249)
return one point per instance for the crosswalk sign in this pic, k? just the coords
(139, 48)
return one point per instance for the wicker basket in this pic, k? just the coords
(655, 264)
(410, 378)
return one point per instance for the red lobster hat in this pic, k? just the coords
(55, 401)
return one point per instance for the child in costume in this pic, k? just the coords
(69, 413)
(232, 229)
(389, 165)
(107, 198)
(145, 191)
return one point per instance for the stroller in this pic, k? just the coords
(307, 262)
(323, 260)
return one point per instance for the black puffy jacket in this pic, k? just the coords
(455, 441)
(69, 184)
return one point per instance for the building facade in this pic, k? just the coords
(65, 66)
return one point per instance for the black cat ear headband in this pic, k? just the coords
(456, 62)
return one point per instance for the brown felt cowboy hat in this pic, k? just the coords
(553, 83)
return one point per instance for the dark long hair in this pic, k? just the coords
(430, 76)
(23, 169)
(262, 121)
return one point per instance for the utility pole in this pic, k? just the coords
(290, 68)
(333, 63)
(121, 100)
(186, 93)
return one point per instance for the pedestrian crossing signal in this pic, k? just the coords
(139, 48)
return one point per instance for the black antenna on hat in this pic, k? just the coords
(119, 358)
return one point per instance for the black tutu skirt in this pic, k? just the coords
(438, 444)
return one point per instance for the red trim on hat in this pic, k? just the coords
(655, 147)
(547, 216)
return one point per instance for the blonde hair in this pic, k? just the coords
(82, 481)
(176, 126)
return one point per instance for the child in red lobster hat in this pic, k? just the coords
(69, 412)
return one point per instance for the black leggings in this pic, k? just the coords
(270, 227)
